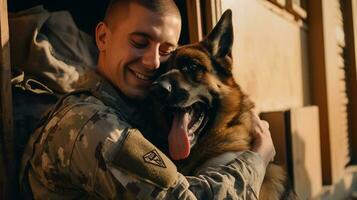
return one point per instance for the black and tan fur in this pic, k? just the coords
(203, 72)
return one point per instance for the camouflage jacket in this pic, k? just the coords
(87, 149)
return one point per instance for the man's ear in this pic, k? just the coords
(101, 35)
(220, 39)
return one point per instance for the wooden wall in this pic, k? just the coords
(269, 54)
(328, 86)
(286, 62)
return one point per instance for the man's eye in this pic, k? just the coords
(139, 44)
(165, 53)
(139, 41)
(166, 50)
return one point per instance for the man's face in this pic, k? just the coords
(134, 48)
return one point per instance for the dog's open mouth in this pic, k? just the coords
(186, 125)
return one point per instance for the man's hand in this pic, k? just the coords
(262, 141)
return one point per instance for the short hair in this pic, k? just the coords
(163, 7)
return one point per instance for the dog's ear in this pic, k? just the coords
(220, 39)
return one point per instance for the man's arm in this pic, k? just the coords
(126, 159)
(241, 179)
(147, 173)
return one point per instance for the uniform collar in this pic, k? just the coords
(110, 96)
(131, 112)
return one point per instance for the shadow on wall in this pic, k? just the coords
(302, 181)
(305, 66)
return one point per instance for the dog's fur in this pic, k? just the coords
(202, 72)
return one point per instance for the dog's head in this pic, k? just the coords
(198, 75)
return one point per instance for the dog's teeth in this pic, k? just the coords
(201, 117)
(195, 126)
(190, 137)
(189, 109)
(189, 117)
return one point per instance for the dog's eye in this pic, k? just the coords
(190, 68)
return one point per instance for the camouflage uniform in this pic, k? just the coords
(87, 149)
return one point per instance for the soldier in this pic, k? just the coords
(89, 146)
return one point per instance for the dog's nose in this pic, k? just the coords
(161, 90)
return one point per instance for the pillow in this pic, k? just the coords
(50, 49)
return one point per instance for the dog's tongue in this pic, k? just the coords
(179, 146)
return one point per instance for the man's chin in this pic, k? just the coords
(137, 94)
(134, 90)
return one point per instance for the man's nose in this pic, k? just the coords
(151, 58)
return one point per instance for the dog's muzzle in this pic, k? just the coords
(167, 93)
(161, 90)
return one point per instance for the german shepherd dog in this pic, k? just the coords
(211, 113)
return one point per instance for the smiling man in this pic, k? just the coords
(89, 147)
(132, 41)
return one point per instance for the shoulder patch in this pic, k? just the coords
(153, 157)
(139, 157)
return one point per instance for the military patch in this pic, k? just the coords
(135, 155)
(153, 157)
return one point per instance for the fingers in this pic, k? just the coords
(256, 124)
(260, 126)
(263, 143)
(265, 124)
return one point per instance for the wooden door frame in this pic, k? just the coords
(212, 13)
(202, 16)
(194, 20)
(7, 162)
(326, 73)
(350, 19)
